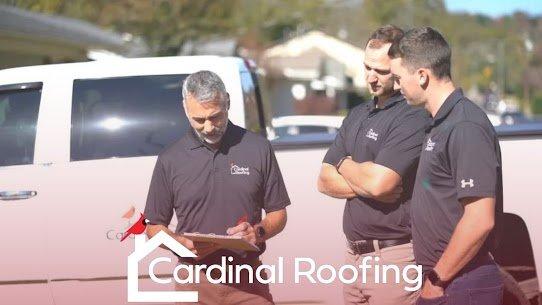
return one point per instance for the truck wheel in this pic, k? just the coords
(512, 292)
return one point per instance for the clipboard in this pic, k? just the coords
(224, 241)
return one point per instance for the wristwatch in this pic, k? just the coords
(434, 278)
(260, 232)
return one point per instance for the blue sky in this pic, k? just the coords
(495, 8)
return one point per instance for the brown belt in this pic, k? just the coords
(367, 246)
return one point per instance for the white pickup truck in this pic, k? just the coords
(78, 143)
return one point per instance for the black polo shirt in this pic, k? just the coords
(460, 158)
(210, 190)
(392, 137)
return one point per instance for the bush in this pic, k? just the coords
(537, 103)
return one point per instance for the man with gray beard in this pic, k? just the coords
(217, 179)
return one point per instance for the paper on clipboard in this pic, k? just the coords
(225, 241)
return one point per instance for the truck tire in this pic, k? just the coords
(512, 292)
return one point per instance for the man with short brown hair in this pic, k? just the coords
(372, 164)
(458, 191)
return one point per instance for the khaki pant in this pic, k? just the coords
(390, 293)
(244, 293)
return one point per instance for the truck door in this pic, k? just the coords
(118, 127)
(23, 208)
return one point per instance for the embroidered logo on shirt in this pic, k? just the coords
(430, 145)
(371, 134)
(465, 183)
(238, 170)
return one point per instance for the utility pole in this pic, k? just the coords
(501, 67)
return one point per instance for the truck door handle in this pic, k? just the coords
(20, 195)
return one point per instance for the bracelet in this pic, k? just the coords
(340, 162)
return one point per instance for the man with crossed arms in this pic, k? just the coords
(372, 164)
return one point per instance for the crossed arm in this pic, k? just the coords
(366, 179)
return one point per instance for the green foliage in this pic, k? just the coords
(166, 24)
(485, 51)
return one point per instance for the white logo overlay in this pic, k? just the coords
(238, 170)
(305, 269)
(144, 248)
(430, 145)
(465, 183)
(371, 134)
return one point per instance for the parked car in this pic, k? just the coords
(508, 118)
(305, 124)
(78, 143)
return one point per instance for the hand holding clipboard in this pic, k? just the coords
(223, 241)
(233, 241)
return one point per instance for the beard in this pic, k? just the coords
(381, 89)
(213, 138)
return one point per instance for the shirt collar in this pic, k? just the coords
(392, 100)
(447, 106)
(196, 142)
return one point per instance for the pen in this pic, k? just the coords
(244, 218)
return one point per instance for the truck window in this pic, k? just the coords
(252, 121)
(19, 107)
(126, 116)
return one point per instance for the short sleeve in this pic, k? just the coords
(401, 148)
(337, 150)
(275, 194)
(473, 161)
(159, 206)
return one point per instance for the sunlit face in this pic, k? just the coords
(408, 82)
(209, 119)
(377, 70)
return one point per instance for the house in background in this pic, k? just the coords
(307, 65)
(29, 38)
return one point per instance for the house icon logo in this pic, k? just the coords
(144, 248)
